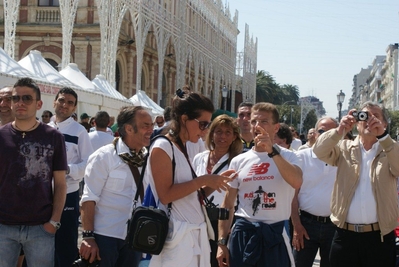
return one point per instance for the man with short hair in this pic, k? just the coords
(110, 188)
(32, 181)
(311, 139)
(6, 115)
(312, 228)
(243, 121)
(364, 202)
(265, 185)
(46, 116)
(79, 149)
(100, 137)
(296, 142)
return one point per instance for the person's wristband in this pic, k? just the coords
(88, 235)
(383, 135)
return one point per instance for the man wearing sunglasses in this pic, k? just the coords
(310, 214)
(79, 149)
(5, 106)
(364, 202)
(32, 181)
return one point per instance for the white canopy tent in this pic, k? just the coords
(141, 99)
(35, 63)
(11, 71)
(74, 75)
(101, 83)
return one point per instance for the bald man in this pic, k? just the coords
(6, 115)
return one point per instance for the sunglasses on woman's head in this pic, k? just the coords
(26, 99)
(203, 124)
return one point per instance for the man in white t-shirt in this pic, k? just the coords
(312, 227)
(100, 137)
(266, 183)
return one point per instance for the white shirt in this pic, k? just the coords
(263, 193)
(201, 162)
(78, 147)
(195, 148)
(110, 184)
(99, 139)
(108, 131)
(296, 143)
(363, 208)
(318, 182)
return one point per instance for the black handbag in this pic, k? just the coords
(148, 226)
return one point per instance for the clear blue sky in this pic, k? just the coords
(318, 45)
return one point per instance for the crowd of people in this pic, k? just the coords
(283, 199)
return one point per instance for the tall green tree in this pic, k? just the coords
(267, 90)
(289, 92)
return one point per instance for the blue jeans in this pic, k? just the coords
(115, 252)
(38, 245)
(321, 236)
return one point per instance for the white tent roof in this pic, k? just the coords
(11, 71)
(74, 75)
(35, 63)
(141, 99)
(105, 86)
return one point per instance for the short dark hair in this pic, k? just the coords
(68, 91)
(101, 119)
(191, 105)
(28, 82)
(127, 115)
(245, 104)
(167, 113)
(48, 112)
(284, 132)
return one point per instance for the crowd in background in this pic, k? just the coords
(287, 197)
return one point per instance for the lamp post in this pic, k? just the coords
(224, 95)
(286, 102)
(284, 118)
(340, 99)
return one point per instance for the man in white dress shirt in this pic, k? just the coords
(100, 137)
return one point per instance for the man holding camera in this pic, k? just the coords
(364, 200)
(265, 188)
(110, 188)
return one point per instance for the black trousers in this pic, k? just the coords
(351, 249)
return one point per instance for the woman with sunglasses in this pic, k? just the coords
(224, 143)
(187, 242)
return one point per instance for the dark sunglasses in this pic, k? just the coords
(320, 131)
(26, 99)
(45, 116)
(203, 124)
(5, 99)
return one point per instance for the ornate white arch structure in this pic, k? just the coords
(11, 11)
(68, 10)
(249, 67)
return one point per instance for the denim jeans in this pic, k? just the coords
(38, 245)
(115, 252)
(321, 236)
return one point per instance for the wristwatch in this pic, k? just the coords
(222, 241)
(275, 152)
(56, 225)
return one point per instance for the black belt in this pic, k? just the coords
(314, 217)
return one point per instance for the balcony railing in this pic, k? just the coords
(48, 15)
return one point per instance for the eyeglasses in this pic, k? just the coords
(320, 131)
(26, 99)
(203, 124)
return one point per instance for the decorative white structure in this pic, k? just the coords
(11, 10)
(249, 67)
(68, 13)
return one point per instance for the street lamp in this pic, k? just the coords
(286, 102)
(340, 99)
(284, 118)
(224, 95)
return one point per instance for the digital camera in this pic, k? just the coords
(85, 263)
(215, 213)
(360, 115)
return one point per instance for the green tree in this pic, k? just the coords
(310, 121)
(289, 92)
(267, 90)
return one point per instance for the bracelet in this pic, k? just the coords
(383, 135)
(87, 234)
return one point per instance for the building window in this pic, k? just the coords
(49, 3)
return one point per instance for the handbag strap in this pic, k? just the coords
(224, 163)
(145, 165)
